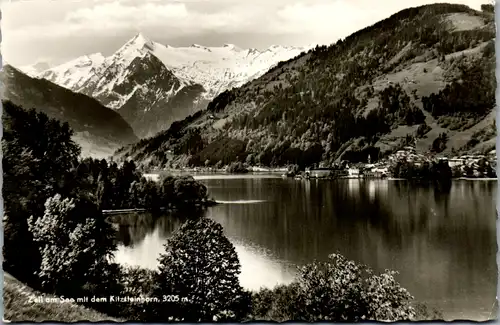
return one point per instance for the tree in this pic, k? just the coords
(137, 282)
(151, 196)
(488, 7)
(167, 190)
(341, 290)
(250, 160)
(75, 246)
(338, 291)
(200, 265)
(279, 304)
(34, 169)
(18, 180)
(439, 144)
(188, 191)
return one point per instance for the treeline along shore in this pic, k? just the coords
(57, 242)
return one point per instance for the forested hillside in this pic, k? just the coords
(425, 75)
(97, 128)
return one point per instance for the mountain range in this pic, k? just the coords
(151, 84)
(97, 129)
(424, 76)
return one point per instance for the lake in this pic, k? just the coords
(441, 240)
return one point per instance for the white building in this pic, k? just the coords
(353, 172)
(453, 162)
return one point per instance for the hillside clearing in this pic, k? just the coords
(461, 21)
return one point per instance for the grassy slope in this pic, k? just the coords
(428, 77)
(18, 308)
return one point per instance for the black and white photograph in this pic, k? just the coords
(236, 161)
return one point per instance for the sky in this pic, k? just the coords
(56, 31)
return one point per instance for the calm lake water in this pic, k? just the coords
(442, 241)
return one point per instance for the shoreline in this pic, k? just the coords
(154, 174)
(206, 204)
(217, 171)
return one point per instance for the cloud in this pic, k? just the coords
(110, 17)
(197, 16)
(118, 12)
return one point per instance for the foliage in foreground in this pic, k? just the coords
(75, 244)
(56, 238)
(67, 243)
(201, 268)
(34, 169)
(338, 290)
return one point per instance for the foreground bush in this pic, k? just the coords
(337, 291)
(277, 304)
(75, 245)
(198, 274)
(34, 169)
(137, 282)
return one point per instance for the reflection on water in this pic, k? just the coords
(442, 240)
(241, 202)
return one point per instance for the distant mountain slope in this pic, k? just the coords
(375, 91)
(98, 129)
(152, 85)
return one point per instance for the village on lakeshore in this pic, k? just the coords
(466, 166)
(462, 167)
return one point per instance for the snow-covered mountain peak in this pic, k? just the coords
(251, 51)
(95, 59)
(152, 84)
(139, 39)
(75, 73)
(280, 48)
(197, 46)
(232, 47)
(214, 68)
(35, 69)
(137, 43)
